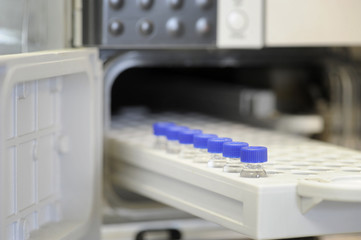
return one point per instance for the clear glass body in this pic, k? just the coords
(187, 151)
(201, 155)
(253, 170)
(160, 142)
(233, 165)
(173, 147)
(216, 161)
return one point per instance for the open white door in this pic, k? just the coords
(50, 145)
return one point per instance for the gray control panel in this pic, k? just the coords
(150, 23)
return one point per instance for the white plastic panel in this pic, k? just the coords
(25, 109)
(292, 23)
(46, 103)
(10, 178)
(240, 24)
(10, 114)
(47, 164)
(311, 187)
(25, 175)
(50, 145)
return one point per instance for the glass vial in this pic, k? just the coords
(215, 148)
(187, 150)
(253, 158)
(159, 132)
(200, 144)
(232, 156)
(172, 134)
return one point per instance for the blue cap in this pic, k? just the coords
(159, 128)
(215, 145)
(200, 140)
(172, 132)
(233, 149)
(186, 136)
(254, 154)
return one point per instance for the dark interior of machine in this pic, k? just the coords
(216, 91)
(322, 82)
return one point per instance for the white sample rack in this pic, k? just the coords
(312, 188)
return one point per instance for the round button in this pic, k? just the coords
(116, 4)
(145, 4)
(145, 27)
(237, 20)
(116, 27)
(175, 4)
(174, 27)
(203, 26)
(204, 3)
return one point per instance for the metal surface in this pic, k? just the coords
(150, 24)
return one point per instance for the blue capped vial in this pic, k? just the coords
(159, 131)
(215, 148)
(200, 144)
(187, 150)
(232, 156)
(253, 158)
(172, 134)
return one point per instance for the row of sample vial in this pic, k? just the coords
(216, 152)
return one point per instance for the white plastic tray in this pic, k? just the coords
(50, 145)
(312, 188)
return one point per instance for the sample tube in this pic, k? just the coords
(172, 133)
(253, 158)
(215, 147)
(159, 131)
(187, 150)
(200, 145)
(232, 155)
